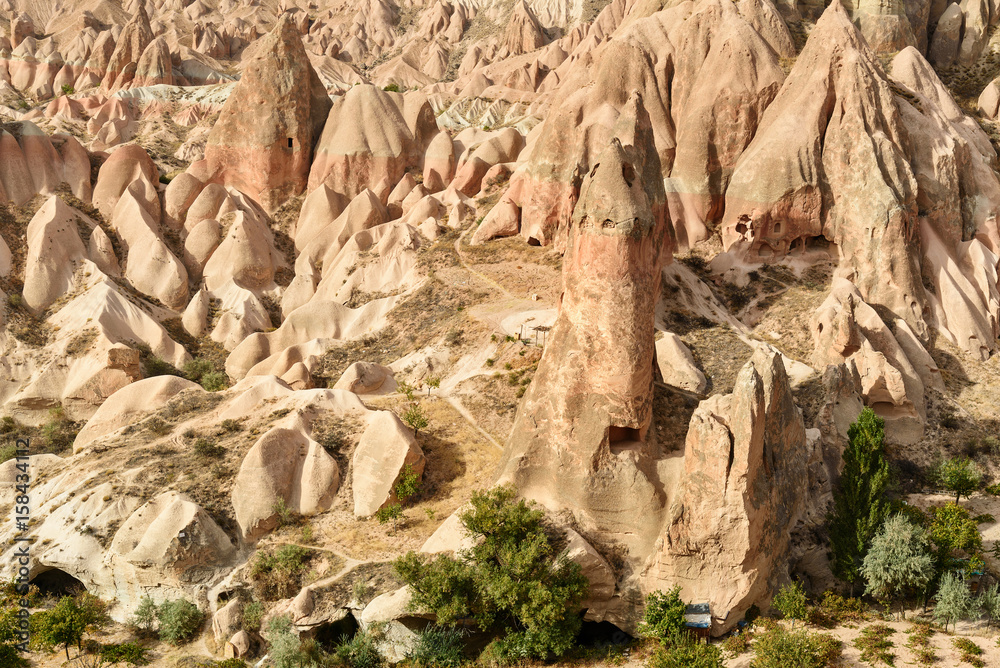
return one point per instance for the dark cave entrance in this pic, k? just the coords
(333, 634)
(57, 582)
(601, 634)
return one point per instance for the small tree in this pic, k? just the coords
(790, 601)
(954, 601)
(391, 512)
(67, 623)
(408, 484)
(960, 475)
(435, 382)
(511, 583)
(415, 418)
(145, 615)
(899, 560)
(953, 529)
(664, 615)
(860, 504)
(405, 388)
(179, 621)
(989, 602)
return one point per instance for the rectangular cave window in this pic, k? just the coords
(622, 434)
(291, 142)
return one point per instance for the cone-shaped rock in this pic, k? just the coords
(262, 142)
(135, 37)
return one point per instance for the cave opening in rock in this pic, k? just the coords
(291, 142)
(624, 438)
(57, 582)
(333, 633)
(601, 634)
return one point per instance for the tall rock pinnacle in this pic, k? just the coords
(262, 143)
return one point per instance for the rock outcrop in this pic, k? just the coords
(263, 140)
(741, 491)
(371, 137)
(789, 186)
(385, 449)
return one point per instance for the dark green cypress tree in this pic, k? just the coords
(860, 503)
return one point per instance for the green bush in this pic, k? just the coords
(438, 646)
(834, 609)
(512, 583)
(203, 371)
(154, 366)
(216, 381)
(279, 575)
(283, 645)
(684, 651)
(392, 88)
(286, 515)
(664, 615)
(9, 657)
(7, 452)
(179, 621)
(778, 647)
(253, 613)
(360, 651)
(207, 449)
(738, 643)
(230, 425)
(790, 601)
(67, 89)
(128, 653)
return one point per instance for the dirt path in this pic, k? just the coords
(461, 258)
(471, 419)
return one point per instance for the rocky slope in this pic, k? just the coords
(697, 237)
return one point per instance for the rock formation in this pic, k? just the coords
(581, 439)
(269, 160)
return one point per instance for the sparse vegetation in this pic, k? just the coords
(415, 418)
(278, 574)
(207, 449)
(875, 645)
